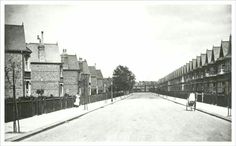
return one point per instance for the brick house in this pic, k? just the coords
(16, 56)
(71, 73)
(100, 83)
(94, 82)
(210, 74)
(85, 78)
(46, 68)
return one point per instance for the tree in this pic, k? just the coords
(123, 79)
(40, 92)
(12, 73)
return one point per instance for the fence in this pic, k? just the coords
(100, 97)
(36, 106)
(28, 107)
(216, 99)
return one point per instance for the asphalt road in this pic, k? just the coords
(142, 117)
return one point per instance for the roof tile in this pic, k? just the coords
(15, 38)
(92, 70)
(99, 74)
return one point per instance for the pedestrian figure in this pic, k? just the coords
(191, 101)
(77, 100)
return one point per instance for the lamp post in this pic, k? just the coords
(112, 89)
(85, 84)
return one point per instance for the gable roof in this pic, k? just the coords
(204, 59)
(179, 71)
(190, 65)
(70, 62)
(194, 63)
(187, 67)
(92, 71)
(199, 62)
(216, 51)
(84, 67)
(182, 69)
(99, 74)
(225, 45)
(15, 38)
(51, 52)
(209, 56)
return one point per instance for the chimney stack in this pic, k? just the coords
(64, 51)
(39, 39)
(42, 37)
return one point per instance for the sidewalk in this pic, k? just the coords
(214, 110)
(39, 123)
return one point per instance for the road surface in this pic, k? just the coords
(143, 117)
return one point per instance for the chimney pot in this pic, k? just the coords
(39, 39)
(42, 37)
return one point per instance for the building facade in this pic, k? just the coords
(17, 68)
(46, 68)
(209, 73)
(94, 81)
(85, 81)
(100, 82)
(71, 73)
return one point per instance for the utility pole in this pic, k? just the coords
(86, 91)
(16, 118)
(112, 89)
(84, 94)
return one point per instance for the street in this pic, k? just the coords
(143, 117)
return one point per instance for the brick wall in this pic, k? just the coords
(9, 59)
(47, 77)
(100, 85)
(93, 83)
(70, 79)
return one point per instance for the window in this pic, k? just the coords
(212, 88)
(212, 71)
(220, 87)
(227, 66)
(221, 68)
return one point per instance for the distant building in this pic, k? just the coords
(107, 82)
(100, 83)
(145, 86)
(94, 82)
(46, 68)
(71, 73)
(16, 56)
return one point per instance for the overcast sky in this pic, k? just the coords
(152, 40)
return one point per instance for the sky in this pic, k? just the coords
(151, 40)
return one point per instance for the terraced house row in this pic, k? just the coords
(40, 66)
(209, 73)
